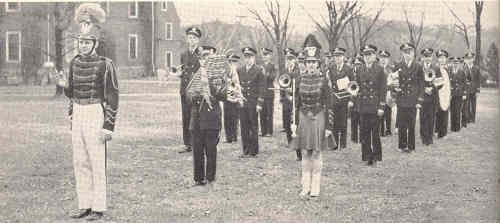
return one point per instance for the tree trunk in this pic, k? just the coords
(478, 58)
(58, 36)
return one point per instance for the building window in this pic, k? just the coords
(132, 46)
(168, 31)
(133, 9)
(12, 6)
(168, 59)
(105, 6)
(13, 46)
(164, 6)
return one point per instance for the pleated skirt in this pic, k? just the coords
(311, 131)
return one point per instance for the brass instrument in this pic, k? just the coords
(351, 90)
(234, 93)
(211, 74)
(284, 80)
(393, 80)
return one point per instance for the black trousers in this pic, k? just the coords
(427, 114)
(465, 111)
(205, 148)
(406, 125)
(249, 129)
(287, 123)
(396, 125)
(354, 126)
(472, 113)
(386, 120)
(371, 148)
(186, 117)
(340, 124)
(231, 114)
(441, 122)
(455, 113)
(266, 116)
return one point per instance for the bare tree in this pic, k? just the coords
(339, 15)
(62, 12)
(415, 32)
(479, 9)
(278, 30)
(362, 28)
(460, 27)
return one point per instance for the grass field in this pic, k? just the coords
(455, 180)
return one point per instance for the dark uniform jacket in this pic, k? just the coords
(411, 82)
(356, 70)
(457, 82)
(474, 78)
(270, 75)
(252, 84)
(93, 78)
(191, 65)
(335, 75)
(433, 96)
(204, 118)
(372, 89)
(313, 95)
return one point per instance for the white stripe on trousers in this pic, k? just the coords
(89, 156)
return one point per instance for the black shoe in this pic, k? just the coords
(199, 183)
(388, 133)
(94, 216)
(370, 162)
(80, 213)
(186, 150)
(298, 159)
(283, 130)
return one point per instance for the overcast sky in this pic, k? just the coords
(435, 12)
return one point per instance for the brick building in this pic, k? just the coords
(139, 37)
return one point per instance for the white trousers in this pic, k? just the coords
(312, 162)
(89, 156)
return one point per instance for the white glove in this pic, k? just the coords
(105, 135)
(428, 90)
(350, 104)
(328, 133)
(380, 112)
(418, 106)
(464, 97)
(259, 108)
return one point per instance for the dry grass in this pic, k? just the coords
(455, 180)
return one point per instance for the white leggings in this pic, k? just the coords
(312, 162)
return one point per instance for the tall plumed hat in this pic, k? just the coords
(88, 16)
(312, 48)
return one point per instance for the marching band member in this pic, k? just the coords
(385, 122)
(231, 108)
(286, 96)
(190, 65)
(409, 97)
(252, 81)
(338, 72)
(467, 90)
(92, 88)
(458, 93)
(266, 115)
(427, 112)
(353, 104)
(313, 104)
(371, 96)
(475, 75)
(205, 123)
(442, 70)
